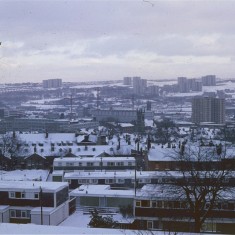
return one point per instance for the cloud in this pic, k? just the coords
(112, 39)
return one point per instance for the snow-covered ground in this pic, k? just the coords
(77, 219)
(40, 229)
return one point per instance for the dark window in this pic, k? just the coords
(159, 204)
(12, 213)
(18, 194)
(18, 213)
(145, 203)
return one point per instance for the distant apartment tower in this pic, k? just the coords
(127, 81)
(194, 84)
(183, 85)
(186, 85)
(209, 80)
(208, 109)
(52, 83)
(139, 85)
(153, 90)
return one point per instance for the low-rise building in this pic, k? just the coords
(34, 202)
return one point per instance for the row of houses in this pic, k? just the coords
(153, 207)
(110, 176)
(37, 202)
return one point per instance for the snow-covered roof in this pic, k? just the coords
(90, 159)
(31, 185)
(109, 174)
(126, 124)
(163, 153)
(157, 153)
(24, 175)
(101, 190)
(52, 137)
(171, 192)
(59, 144)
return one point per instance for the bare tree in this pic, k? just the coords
(10, 146)
(203, 180)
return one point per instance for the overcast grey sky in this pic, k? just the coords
(104, 40)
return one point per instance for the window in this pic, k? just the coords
(89, 163)
(69, 164)
(149, 224)
(165, 204)
(36, 195)
(109, 181)
(19, 214)
(120, 163)
(137, 203)
(154, 204)
(159, 204)
(12, 213)
(110, 164)
(147, 181)
(23, 214)
(129, 163)
(176, 204)
(225, 206)
(93, 181)
(12, 195)
(145, 203)
(16, 194)
(80, 163)
(120, 181)
(84, 181)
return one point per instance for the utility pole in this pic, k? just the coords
(135, 180)
(71, 106)
(40, 198)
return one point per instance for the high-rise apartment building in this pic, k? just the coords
(186, 85)
(153, 90)
(52, 83)
(127, 81)
(183, 85)
(139, 85)
(208, 109)
(209, 80)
